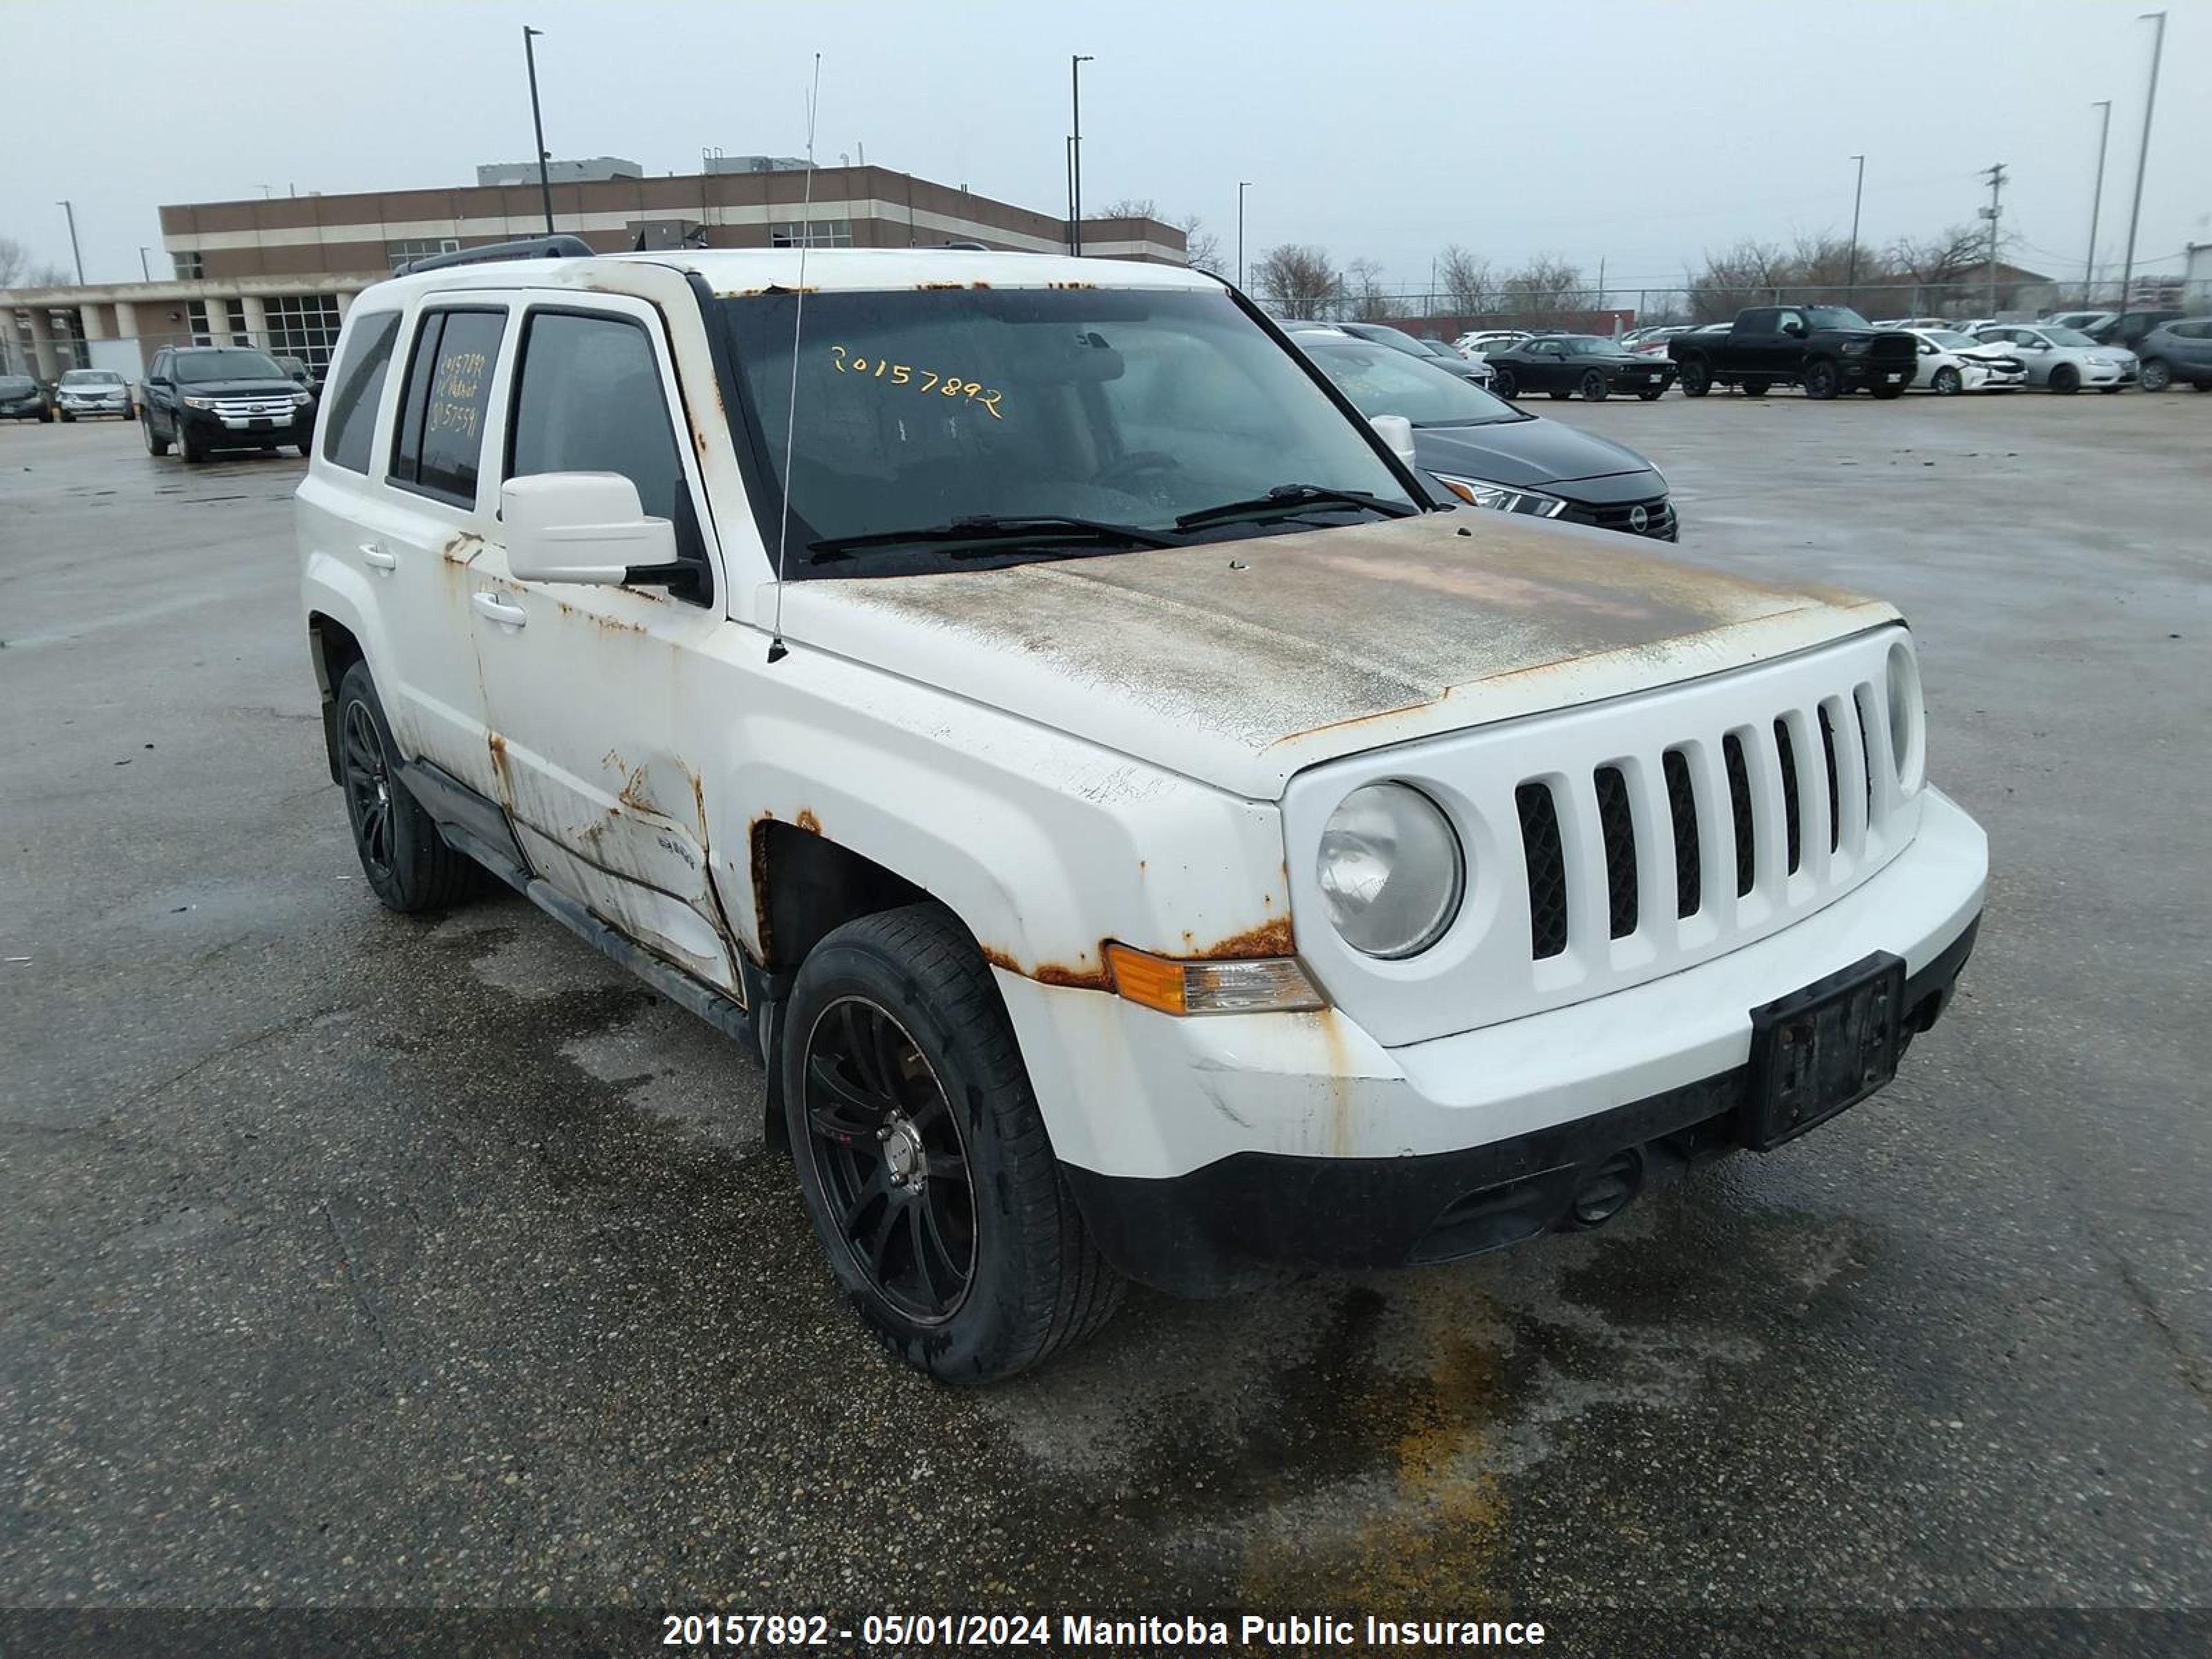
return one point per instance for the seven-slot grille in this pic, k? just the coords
(1784, 799)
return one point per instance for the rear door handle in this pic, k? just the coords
(373, 555)
(491, 605)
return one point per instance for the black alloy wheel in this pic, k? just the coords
(366, 775)
(1505, 385)
(1821, 381)
(1595, 386)
(1754, 385)
(886, 1148)
(1697, 378)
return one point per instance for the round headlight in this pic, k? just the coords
(1906, 737)
(1390, 870)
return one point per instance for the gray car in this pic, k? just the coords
(2062, 359)
(2178, 351)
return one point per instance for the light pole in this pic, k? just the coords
(74, 253)
(1075, 63)
(144, 270)
(2150, 102)
(2096, 201)
(537, 123)
(1243, 184)
(1858, 191)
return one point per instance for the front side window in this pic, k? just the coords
(588, 398)
(1127, 408)
(356, 389)
(439, 448)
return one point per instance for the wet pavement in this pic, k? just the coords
(351, 1258)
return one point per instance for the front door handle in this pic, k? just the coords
(373, 555)
(491, 605)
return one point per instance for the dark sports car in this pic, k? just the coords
(1577, 365)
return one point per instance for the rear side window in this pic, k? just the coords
(355, 390)
(439, 448)
(588, 399)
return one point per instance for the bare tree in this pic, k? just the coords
(19, 270)
(1939, 266)
(1298, 281)
(1468, 287)
(1364, 290)
(1201, 247)
(1545, 293)
(1749, 274)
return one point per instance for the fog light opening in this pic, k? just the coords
(1608, 1190)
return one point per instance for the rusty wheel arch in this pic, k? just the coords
(333, 648)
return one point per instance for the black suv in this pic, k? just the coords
(203, 399)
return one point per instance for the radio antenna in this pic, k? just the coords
(776, 649)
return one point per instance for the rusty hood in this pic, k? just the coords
(1243, 662)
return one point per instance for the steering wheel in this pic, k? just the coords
(1134, 465)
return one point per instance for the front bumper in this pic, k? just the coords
(1628, 381)
(1208, 1152)
(217, 431)
(94, 406)
(1867, 372)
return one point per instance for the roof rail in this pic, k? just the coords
(529, 247)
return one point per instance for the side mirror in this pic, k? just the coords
(582, 527)
(1397, 432)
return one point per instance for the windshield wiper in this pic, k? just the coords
(993, 531)
(1290, 499)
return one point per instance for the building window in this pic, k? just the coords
(822, 233)
(303, 325)
(190, 267)
(418, 247)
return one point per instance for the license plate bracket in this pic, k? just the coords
(1823, 1050)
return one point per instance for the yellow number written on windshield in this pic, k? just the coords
(921, 379)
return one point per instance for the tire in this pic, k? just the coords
(1505, 385)
(192, 453)
(1822, 382)
(2108, 391)
(130, 412)
(1651, 394)
(68, 419)
(407, 863)
(1885, 394)
(1948, 383)
(2066, 380)
(46, 415)
(2157, 375)
(1754, 385)
(306, 451)
(895, 1029)
(155, 444)
(1593, 387)
(1696, 378)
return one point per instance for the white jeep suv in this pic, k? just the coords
(1144, 829)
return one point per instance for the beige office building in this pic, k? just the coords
(280, 272)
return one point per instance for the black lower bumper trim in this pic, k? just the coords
(1254, 1216)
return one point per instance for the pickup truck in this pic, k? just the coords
(1142, 828)
(1826, 349)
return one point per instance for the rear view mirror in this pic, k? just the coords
(582, 527)
(1396, 431)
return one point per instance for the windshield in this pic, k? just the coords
(227, 364)
(2067, 337)
(1834, 317)
(14, 385)
(1127, 407)
(92, 377)
(1396, 339)
(1381, 382)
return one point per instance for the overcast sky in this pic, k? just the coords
(1640, 134)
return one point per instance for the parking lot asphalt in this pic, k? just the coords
(351, 1258)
